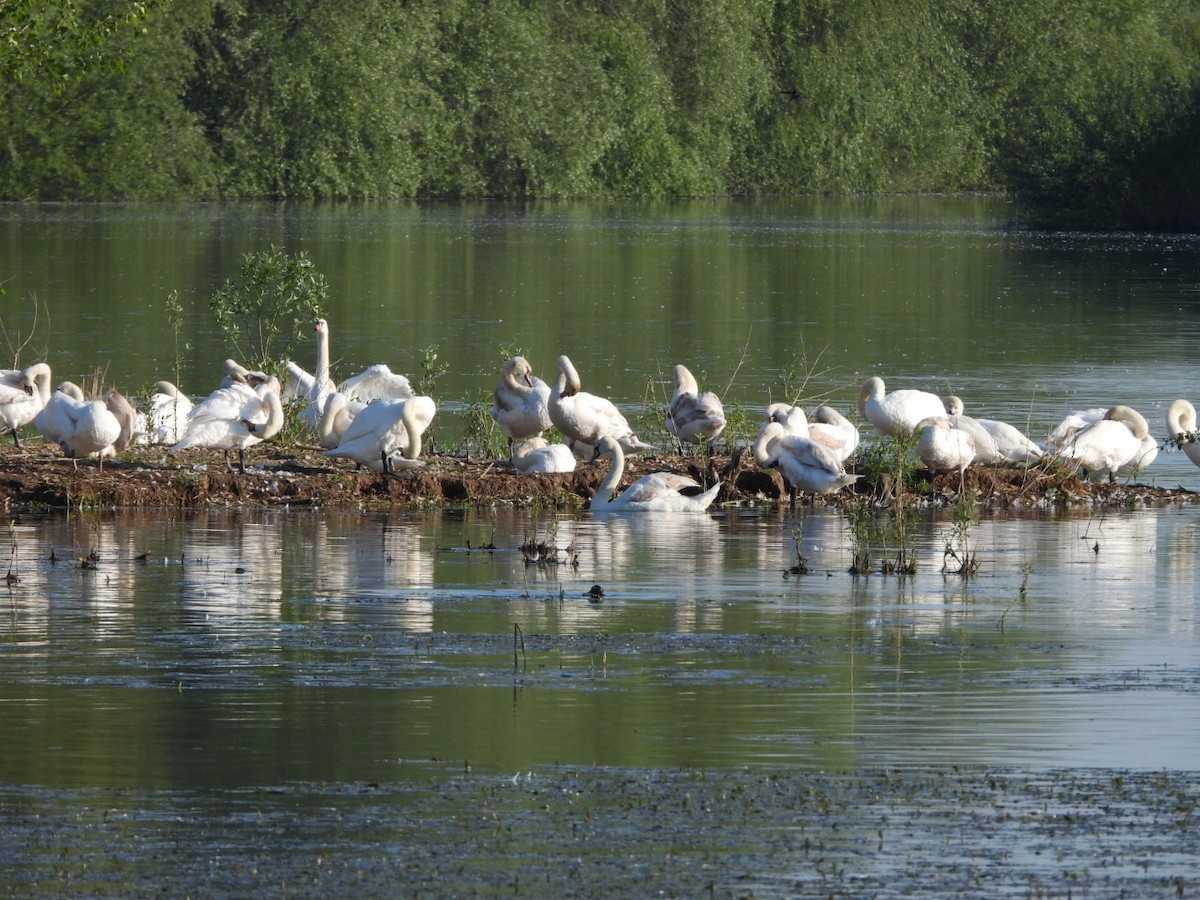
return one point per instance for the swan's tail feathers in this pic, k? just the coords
(631, 443)
(705, 500)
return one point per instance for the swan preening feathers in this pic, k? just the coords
(657, 492)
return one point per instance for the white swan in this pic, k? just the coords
(793, 419)
(1012, 445)
(234, 418)
(1071, 425)
(986, 451)
(23, 394)
(584, 418)
(694, 417)
(521, 401)
(376, 382)
(56, 421)
(899, 412)
(1181, 429)
(804, 464)
(130, 420)
(834, 432)
(386, 435)
(166, 420)
(1118, 444)
(336, 417)
(657, 492)
(80, 427)
(943, 447)
(536, 454)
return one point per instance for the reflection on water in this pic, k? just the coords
(248, 647)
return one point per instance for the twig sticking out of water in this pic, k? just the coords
(518, 644)
(1021, 598)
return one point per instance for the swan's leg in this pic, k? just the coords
(16, 438)
(242, 460)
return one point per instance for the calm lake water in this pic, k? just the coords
(213, 667)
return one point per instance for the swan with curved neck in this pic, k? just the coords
(23, 394)
(694, 417)
(834, 432)
(657, 492)
(386, 435)
(1118, 444)
(584, 418)
(899, 412)
(1011, 445)
(230, 419)
(1181, 429)
(804, 464)
(520, 403)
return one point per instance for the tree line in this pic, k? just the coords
(1087, 110)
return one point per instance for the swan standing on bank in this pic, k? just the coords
(899, 412)
(657, 492)
(234, 418)
(23, 394)
(943, 447)
(694, 417)
(536, 454)
(986, 451)
(804, 464)
(1181, 429)
(1012, 445)
(1118, 444)
(521, 401)
(584, 418)
(386, 435)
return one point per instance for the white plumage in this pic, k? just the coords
(657, 492)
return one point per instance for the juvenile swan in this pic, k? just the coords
(521, 401)
(584, 418)
(657, 492)
(804, 464)
(694, 417)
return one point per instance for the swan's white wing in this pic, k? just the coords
(376, 382)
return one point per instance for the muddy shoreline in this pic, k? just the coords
(39, 478)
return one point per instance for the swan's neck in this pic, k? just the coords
(608, 484)
(413, 428)
(570, 377)
(327, 426)
(322, 372)
(1181, 418)
(763, 448)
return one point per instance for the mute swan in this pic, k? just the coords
(56, 421)
(584, 418)
(834, 432)
(1071, 425)
(694, 417)
(127, 417)
(657, 492)
(166, 420)
(986, 451)
(1012, 445)
(234, 418)
(1118, 444)
(1181, 429)
(536, 454)
(376, 382)
(804, 464)
(386, 434)
(520, 403)
(898, 412)
(792, 418)
(943, 447)
(336, 418)
(23, 393)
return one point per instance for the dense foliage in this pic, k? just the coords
(1086, 107)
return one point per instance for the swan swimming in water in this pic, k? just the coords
(899, 412)
(386, 435)
(1117, 444)
(1011, 444)
(694, 417)
(1181, 429)
(521, 401)
(234, 418)
(657, 492)
(584, 418)
(804, 464)
(536, 454)
(23, 394)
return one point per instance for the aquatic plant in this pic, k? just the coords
(270, 305)
(958, 547)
